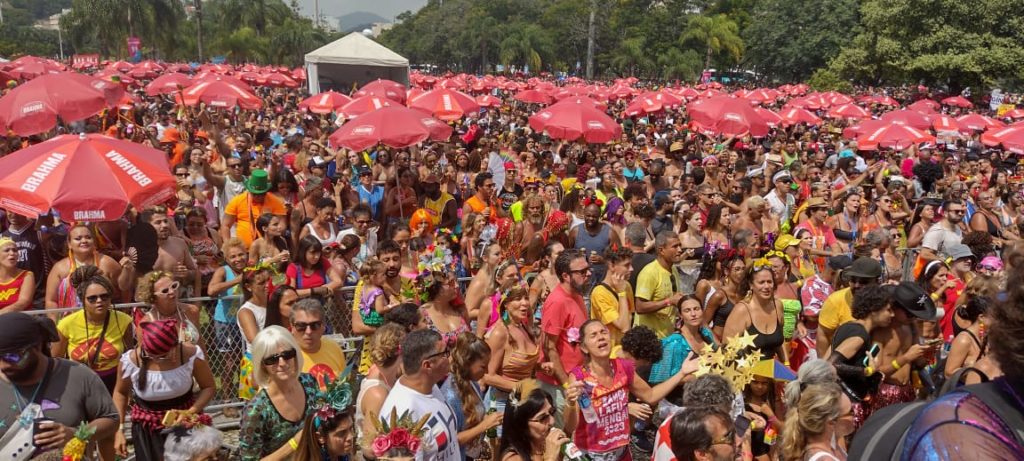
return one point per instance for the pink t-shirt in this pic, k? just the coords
(561, 316)
(611, 431)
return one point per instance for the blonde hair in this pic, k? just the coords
(266, 343)
(233, 242)
(144, 292)
(385, 345)
(370, 268)
(818, 406)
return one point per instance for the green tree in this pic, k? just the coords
(529, 45)
(789, 39)
(104, 25)
(630, 57)
(675, 64)
(715, 34)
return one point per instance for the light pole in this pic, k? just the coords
(199, 28)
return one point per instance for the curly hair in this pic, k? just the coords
(979, 242)
(85, 276)
(384, 347)
(468, 350)
(1006, 335)
(370, 268)
(617, 254)
(927, 173)
(144, 292)
(869, 299)
(642, 344)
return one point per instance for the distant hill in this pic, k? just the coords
(358, 21)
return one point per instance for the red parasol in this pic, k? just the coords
(771, 118)
(279, 80)
(762, 95)
(909, 118)
(84, 177)
(795, 115)
(533, 97)
(395, 126)
(893, 135)
(727, 116)
(1011, 138)
(445, 104)
(924, 106)
(978, 122)
(219, 93)
(168, 83)
(119, 66)
(31, 69)
(958, 101)
(363, 105)
(33, 107)
(384, 89)
(487, 100)
(849, 111)
(146, 69)
(944, 123)
(576, 118)
(324, 103)
(1015, 114)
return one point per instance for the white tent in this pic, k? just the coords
(353, 60)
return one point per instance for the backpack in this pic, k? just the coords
(883, 435)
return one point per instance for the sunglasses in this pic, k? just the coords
(543, 417)
(445, 353)
(93, 299)
(302, 326)
(581, 271)
(728, 439)
(274, 359)
(16, 357)
(173, 288)
(234, 165)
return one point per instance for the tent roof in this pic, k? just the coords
(356, 49)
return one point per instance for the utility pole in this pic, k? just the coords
(316, 13)
(199, 28)
(591, 31)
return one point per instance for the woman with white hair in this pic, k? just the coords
(196, 443)
(273, 418)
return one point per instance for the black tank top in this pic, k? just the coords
(766, 343)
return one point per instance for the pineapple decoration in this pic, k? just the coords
(731, 361)
(75, 449)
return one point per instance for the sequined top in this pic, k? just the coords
(264, 430)
(959, 426)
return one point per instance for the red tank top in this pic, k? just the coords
(10, 291)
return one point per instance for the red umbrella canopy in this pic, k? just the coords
(771, 118)
(445, 104)
(908, 117)
(383, 88)
(112, 91)
(34, 68)
(1015, 114)
(365, 104)
(120, 66)
(726, 115)
(958, 101)
(924, 106)
(396, 126)
(796, 115)
(112, 75)
(942, 122)
(324, 103)
(146, 69)
(893, 135)
(279, 80)
(978, 122)
(487, 100)
(533, 97)
(1011, 138)
(178, 67)
(849, 111)
(33, 107)
(837, 99)
(576, 118)
(878, 99)
(762, 95)
(299, 74)
(84, 177)
(211, 77)
(168, 83)
(644, 105)
(866, 126)
(219, 93)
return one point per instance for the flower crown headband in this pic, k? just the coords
(335, 399)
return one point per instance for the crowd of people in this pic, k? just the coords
(519, 297)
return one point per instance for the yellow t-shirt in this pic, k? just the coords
(325, 364)
(836, 310)
(654, 283)
(604, 306)
(83, 339)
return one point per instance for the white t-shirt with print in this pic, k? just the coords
(440, 439)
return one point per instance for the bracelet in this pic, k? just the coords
(868, 371)
(621, 294)
(293, 444)
(935, 296)
(895, 365)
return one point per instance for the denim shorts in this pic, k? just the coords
(228, 337)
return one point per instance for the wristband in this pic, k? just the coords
(621, 294)
(895, 365)
(293, 444)
(935, 296)
(868, 371)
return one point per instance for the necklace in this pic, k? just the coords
(17, 394)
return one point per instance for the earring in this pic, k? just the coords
(981, 328)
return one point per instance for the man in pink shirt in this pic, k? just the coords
(562, 316)
(823, 240)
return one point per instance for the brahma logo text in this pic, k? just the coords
(42, 171)
(90, 215)
(34, 106)
(130, 168)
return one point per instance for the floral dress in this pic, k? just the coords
(448, 337)
(264, 430)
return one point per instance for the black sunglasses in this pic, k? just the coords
(93, 299)
(445, 353)
(273, 359)
(302, 326)
(16, 357)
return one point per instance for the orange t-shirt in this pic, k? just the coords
(246, 213)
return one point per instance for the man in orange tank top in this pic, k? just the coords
(482, 202)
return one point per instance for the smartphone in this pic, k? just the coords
(873, 352)
(36, 429)
(742, 425)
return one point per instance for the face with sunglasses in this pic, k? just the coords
(20, 364)
(165, 291)
(307, 328)
(97, 302)
(281, 365)
(724, 441)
